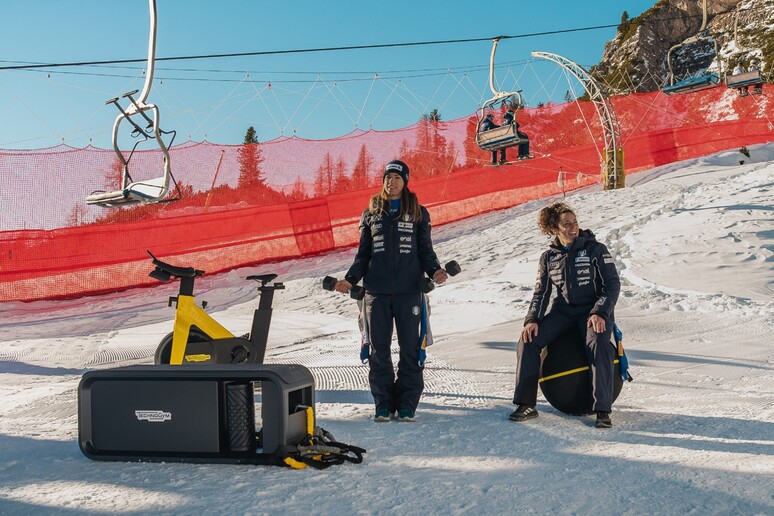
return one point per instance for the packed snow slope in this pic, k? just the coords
(693, 434)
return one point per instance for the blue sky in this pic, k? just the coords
(316, 95)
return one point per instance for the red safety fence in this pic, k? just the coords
(286, 198)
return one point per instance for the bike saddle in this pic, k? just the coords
(263, 278)
(163, 270)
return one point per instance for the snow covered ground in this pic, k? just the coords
(693, 434)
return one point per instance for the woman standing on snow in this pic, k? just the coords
(395, 251)
(587, 285)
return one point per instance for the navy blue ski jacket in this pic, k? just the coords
(393, 254)
(584, 276)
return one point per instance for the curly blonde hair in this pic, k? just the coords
(548, 218)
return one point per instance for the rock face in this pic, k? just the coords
(636, 60)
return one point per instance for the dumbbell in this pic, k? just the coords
(355, 292)
(452, 268)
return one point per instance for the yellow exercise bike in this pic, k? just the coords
(198, 338)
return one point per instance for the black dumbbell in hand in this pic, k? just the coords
(355, 291)
(452, 268)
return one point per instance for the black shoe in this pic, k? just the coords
(603, 420)
(406, 416)
(523, 413)
(382, 415)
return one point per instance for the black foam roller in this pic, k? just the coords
(565, 377)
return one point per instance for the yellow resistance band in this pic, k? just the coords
(565, 373)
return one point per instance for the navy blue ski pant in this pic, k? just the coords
(391, 392)
(599, 351)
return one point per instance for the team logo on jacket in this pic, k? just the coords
(406, 217)
(415, 310)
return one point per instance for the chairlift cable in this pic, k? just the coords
(305, 50)
(30, 66)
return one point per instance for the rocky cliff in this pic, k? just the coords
(735, 31)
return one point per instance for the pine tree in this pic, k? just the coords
(363, 165)
(623, 27)
(115, 175)
(341, 181)
(298, 192)
(77, 215)
(250, 158)
(431, 154)
(323, 182)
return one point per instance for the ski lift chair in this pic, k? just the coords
(692, 84)
(499, 138)
(145, 191)
(742, 80)
(503, 136)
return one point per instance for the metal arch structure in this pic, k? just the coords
(613, 175)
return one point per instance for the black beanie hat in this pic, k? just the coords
(398, 167)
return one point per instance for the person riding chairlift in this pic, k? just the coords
(739, 70)
(509, 118)
(757, 88)
(486, 125)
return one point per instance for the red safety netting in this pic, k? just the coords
(292, 197)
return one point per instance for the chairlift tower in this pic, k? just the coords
(613, 175)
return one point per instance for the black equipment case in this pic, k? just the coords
(196, 413)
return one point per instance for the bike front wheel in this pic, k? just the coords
(164, 351)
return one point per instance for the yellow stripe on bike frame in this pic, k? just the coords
(565, 373)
